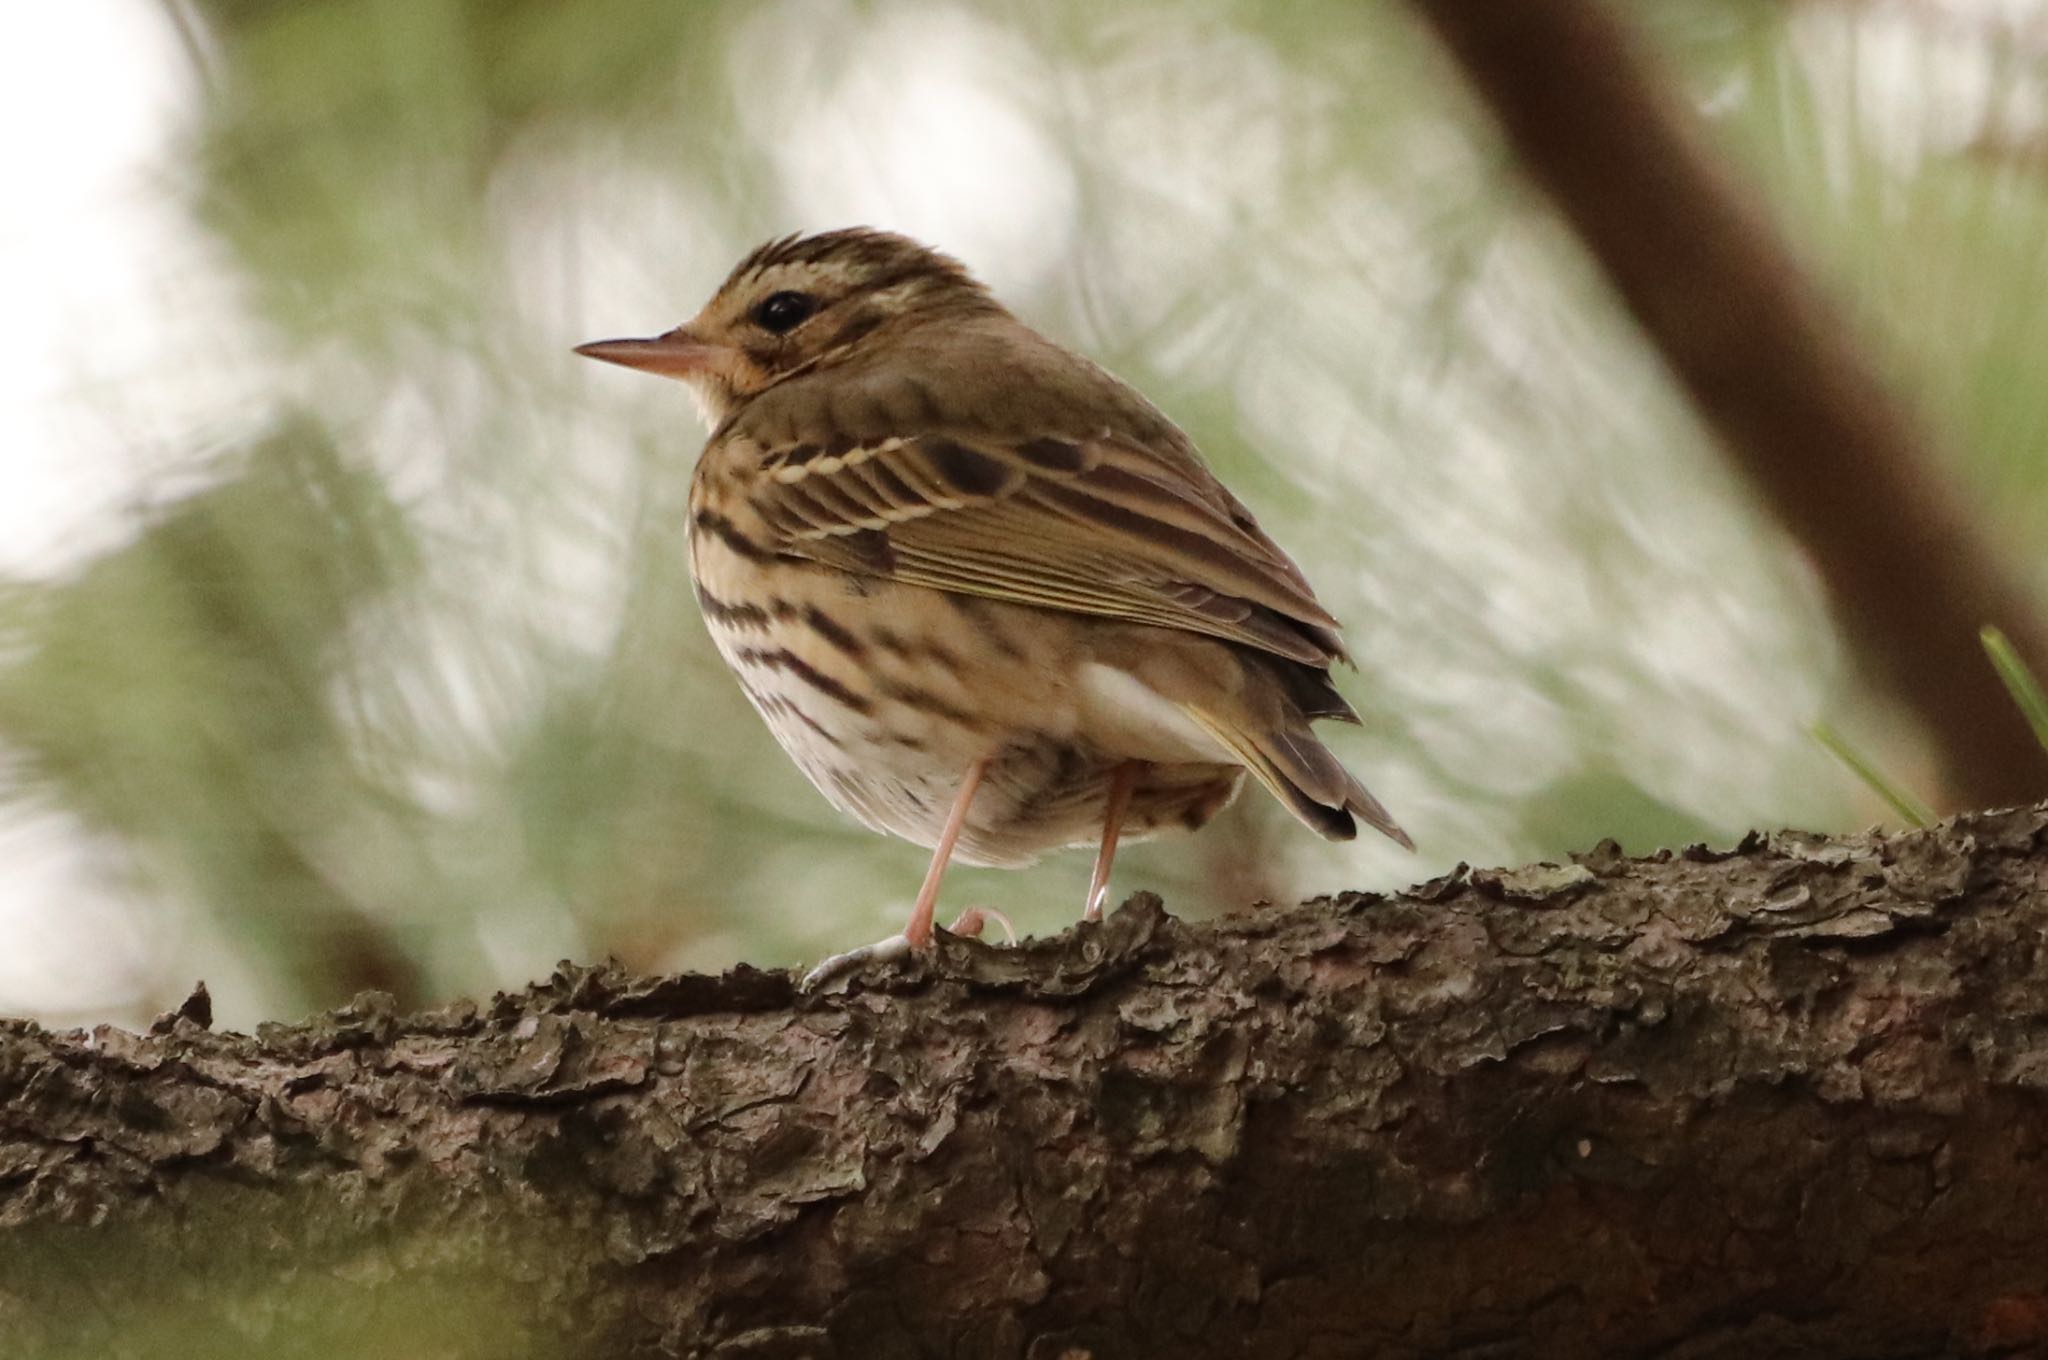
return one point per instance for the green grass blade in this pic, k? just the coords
(1902, 802)
(2019, 681)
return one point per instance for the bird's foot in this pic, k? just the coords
(840, 965)
(974, 919)
(971, 923)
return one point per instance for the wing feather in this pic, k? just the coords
(1124, 523)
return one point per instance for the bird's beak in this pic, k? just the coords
(678, 354)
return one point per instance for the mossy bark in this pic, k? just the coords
(1784, 1097)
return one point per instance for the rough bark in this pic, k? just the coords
(1846, 465)
(1783, 1098)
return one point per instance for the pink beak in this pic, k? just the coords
(678, 354)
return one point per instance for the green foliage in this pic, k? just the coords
(179, 693)
(1910, 809)
(2019, 682)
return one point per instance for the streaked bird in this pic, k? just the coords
(985, 595)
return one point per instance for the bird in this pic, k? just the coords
(985, 595)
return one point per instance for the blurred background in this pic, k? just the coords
(345, 638)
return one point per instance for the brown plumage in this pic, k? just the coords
(985, 594)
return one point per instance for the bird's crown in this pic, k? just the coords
(854, 260)
(797, 297)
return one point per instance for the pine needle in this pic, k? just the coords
(1902, 802)
(2019, 681)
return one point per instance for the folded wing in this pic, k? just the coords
(1096, 524)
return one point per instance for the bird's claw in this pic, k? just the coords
(974, 919)
(971, 923)
(839, 965)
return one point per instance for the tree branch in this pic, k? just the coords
(1713, 1103)
(1842, 462)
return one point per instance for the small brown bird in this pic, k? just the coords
(987, 597)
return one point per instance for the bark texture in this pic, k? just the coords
(1848, 468)
(1786, 1098)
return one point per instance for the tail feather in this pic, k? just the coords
(1311, 691)
(1359, 799)
(1304, 775)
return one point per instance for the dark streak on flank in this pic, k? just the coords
(976, 612)
(808, 721)
(848, 785)
(728, 533)
(922, 699)
(782, 659)
(826, 627)
(742, 617)
(896, 645)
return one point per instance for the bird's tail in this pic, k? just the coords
(1286, 756)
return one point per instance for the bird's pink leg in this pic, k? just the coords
(919, 931)
(1121, 781)
(917, 934)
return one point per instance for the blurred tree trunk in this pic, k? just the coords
(1843, 462)
(1783, 1098)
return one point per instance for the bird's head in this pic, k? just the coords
(800, 302)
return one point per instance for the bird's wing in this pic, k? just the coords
(1110, 523)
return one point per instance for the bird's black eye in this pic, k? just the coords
(781, 313)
